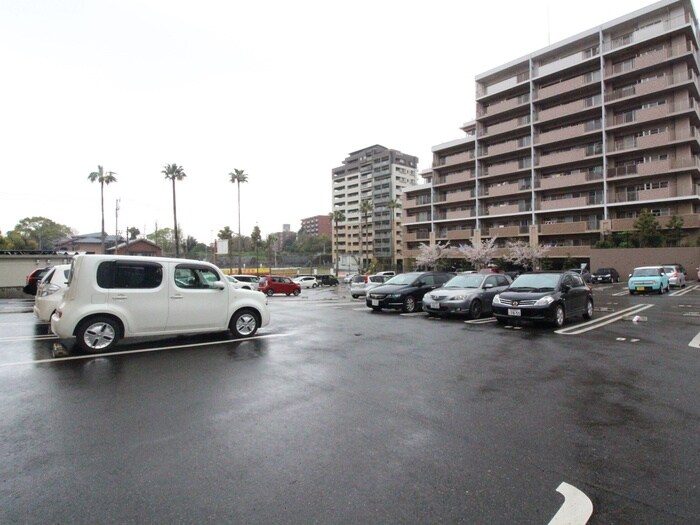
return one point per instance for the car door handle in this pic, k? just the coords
(120, 297)
(176, 296)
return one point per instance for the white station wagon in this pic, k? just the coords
(113, 297)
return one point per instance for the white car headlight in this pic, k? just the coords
(497, 299)
(545, 301)
(458, 298)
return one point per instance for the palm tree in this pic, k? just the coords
(174, 172)
(392, 205)
(239, 176)
(365, 209)
(103, 178)
(337, 216)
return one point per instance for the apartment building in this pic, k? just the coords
(572, 142)
(317, 225)
(377, 177)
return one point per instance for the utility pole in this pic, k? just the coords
(116, 228)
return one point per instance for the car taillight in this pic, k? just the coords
(366, 278)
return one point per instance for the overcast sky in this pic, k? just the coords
(282, 89)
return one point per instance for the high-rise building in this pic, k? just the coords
(367, 189)
(572, 142)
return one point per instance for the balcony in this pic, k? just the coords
(505, 168)
(508, 125)
(502, 85)
(645, 195)
(571, 202)
(645, 33)
(652, 86)
(564, 181)
(566, 86)
(458, 196)
(459, 235)
(503, 106)
(564, 228)
(571, 155)
(498, 190)
(657, 167)
(569, 132)
(506, 147)
(565, 110)
(508, 209)
(418, 236)
(453, 178)
(503, 231)
(653, 113)
(458, 214)
(452, 160)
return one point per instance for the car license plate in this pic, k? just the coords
(640, 288)
(375, 302)
(435, 306)
(514, 312)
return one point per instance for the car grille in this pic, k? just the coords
(525, 302)
(438, 297)
(643, 283)
(377, 296)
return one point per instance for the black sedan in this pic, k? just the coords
(544, 296)
(405, 291)
(606, 275)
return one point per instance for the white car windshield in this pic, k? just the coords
(403, 279)
(645, 272)
(535, 282)
(465, 281)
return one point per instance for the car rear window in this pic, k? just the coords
(120, 274)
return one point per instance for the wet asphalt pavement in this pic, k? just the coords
(335, 414)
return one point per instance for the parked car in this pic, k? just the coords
(110, 297)
(675, 274)
(389, 273)
(553, 297)
(272, 284)
(679, 267)
(306, 281)
(466, 294)
(405, 291)
(236, 283)
(250, 281)
(348, 278)
(648, 279)
(33, 280)
(49, 294)
(327, 280)
(585, 273)
(606, 275)
(361, 284)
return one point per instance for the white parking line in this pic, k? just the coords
(695, 342)
(684, 291)
(602, 321)
(481, 321)
(577, 507)
(141, 351)
(27, 338)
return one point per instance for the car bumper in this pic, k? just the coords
(527, 313)
(642, 288)
(395, 304)
(446, 308)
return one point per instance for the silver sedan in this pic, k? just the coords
(468, 294)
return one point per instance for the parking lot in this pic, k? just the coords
(337, 414)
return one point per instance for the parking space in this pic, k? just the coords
(334, 406)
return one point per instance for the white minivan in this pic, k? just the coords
(113, 297)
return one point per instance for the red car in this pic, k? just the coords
(272, 284)
(33, 280)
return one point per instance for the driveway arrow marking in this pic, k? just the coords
(577, 508)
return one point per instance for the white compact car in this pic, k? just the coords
(49, 293)
(113, 297)
(306, 281)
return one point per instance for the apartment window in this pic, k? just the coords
(649, 78)
(653, 104)
(660, 212)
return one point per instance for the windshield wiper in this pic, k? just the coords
(544, 289)
(521, 289)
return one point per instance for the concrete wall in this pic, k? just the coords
(624, 260)
(14, 270)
